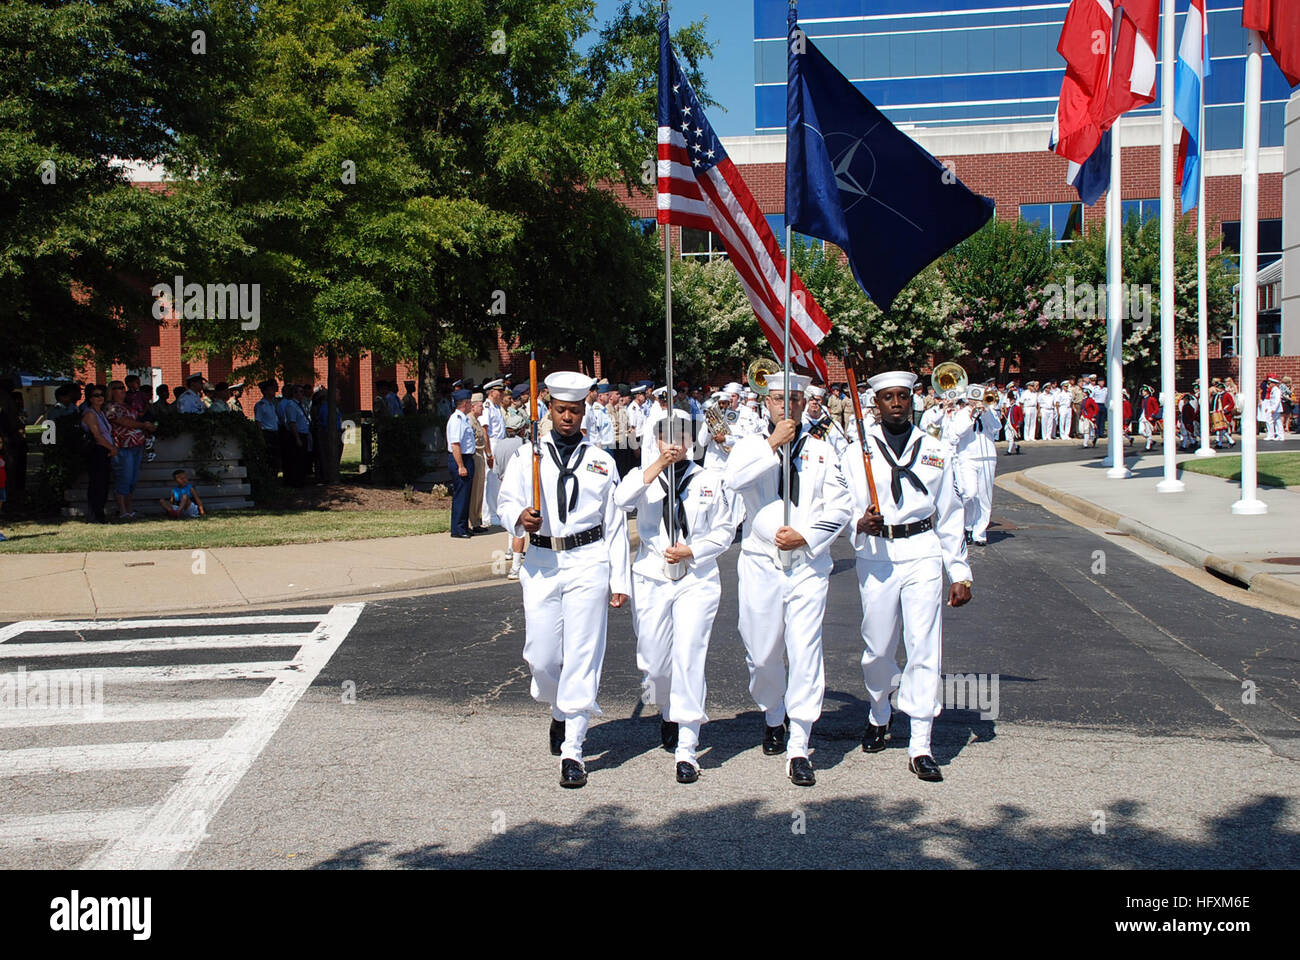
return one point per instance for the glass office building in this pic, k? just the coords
(938, 63)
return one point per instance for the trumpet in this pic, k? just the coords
(758, 372)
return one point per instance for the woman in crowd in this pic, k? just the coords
(100, 454)
(129, 435)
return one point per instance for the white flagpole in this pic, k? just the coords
(1114, 310)
(1202, 306)
(785, 352)
(1170, 483)
(1250, 504)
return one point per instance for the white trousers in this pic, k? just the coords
(904, 596)
(781, 613)
(1049, 423)
(491, 487)
(980, 473)
(673, 624)
(1011, 437)
(566, 612)
(1031, 422)
(1273, 427)
(1067, 421)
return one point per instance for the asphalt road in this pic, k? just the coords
(1141, 720)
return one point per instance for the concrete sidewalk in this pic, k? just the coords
(1196, 526)
(104, 585)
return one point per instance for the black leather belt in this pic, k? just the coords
(560, 544)
(901, 531)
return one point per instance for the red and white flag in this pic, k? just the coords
(1085, 44)
(700, 188)
(1133, 74)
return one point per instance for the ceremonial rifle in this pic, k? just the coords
(533, 432)
(862, 435)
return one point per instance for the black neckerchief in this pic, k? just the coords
(794, 473)
(897, 437)
(900, 470)
(683, 481)
(561, 449)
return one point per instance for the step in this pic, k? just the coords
(155, 491)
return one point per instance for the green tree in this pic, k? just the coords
(1080, 267)
(83, 84)
(997, 277)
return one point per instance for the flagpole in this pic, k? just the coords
(1168, 379)
(785, 345)
(1114, 309)
(1202, 302)
(1250, 504)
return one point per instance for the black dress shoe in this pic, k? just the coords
(479, 529)
(774, 740)
(557, 736)
(925, 768)
(461, 536)
(801, 772)
(873, 740)
(668, 734)
(968, 538)
(687, 772)
(572, 774)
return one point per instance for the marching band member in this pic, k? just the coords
(978, 454)
(817, 417)
(576, 567)
(674, 618)
(1088, 421)
(902, 553)
(1047, 410)
(784, 601)
(1029, 403)
(1148, 415)
(717, 446)
(1015, 421)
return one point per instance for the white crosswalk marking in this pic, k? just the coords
(163, 835)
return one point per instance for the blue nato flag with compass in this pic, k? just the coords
(854, 179)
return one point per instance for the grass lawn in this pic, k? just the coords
(1275, 469)
(230, 528)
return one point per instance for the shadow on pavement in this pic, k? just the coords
(867, 831)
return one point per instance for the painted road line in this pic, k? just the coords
(19, 651)
(75, 826)
(172, 834)
(50, 626)
(161, 711)
(170, 673)
(143, 755)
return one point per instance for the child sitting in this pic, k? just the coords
(184, 500)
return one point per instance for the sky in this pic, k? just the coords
(730, 73)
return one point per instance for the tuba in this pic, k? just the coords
(718, 420)
(758, 372)
(949, 380)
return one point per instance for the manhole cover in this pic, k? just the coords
(1286, 561)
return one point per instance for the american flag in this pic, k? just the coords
(700, 188)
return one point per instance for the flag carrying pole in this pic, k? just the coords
(1170, 483)
(1115, 309)
(785, 345)
(1202, 299)
(1250, 504)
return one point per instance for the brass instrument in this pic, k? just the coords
(717, 419)
(758, 372)
(992, 397)
(949, 380)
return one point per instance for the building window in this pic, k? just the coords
(1063, 220)
(1144, 210)
(701, 244)
(1270, 240)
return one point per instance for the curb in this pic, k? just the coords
(472, 575)
(1264, 584)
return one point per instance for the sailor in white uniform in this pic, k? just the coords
(675, 586)
(817, 417)
(576, 568)
(902, 553)
(784, 570)
(978, 452)
(1029, 404)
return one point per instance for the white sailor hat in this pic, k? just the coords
(569, 386)
(892, 378)
(717, 395)
(639, 388)
(751, 395)
(798, 382)
(494, 384)
(733, 387)
(663, 392)
(815, 392)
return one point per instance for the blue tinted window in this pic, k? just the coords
(902, 55)
(1144, 210)
(1064, 220)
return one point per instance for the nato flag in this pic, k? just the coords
(853, 179)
